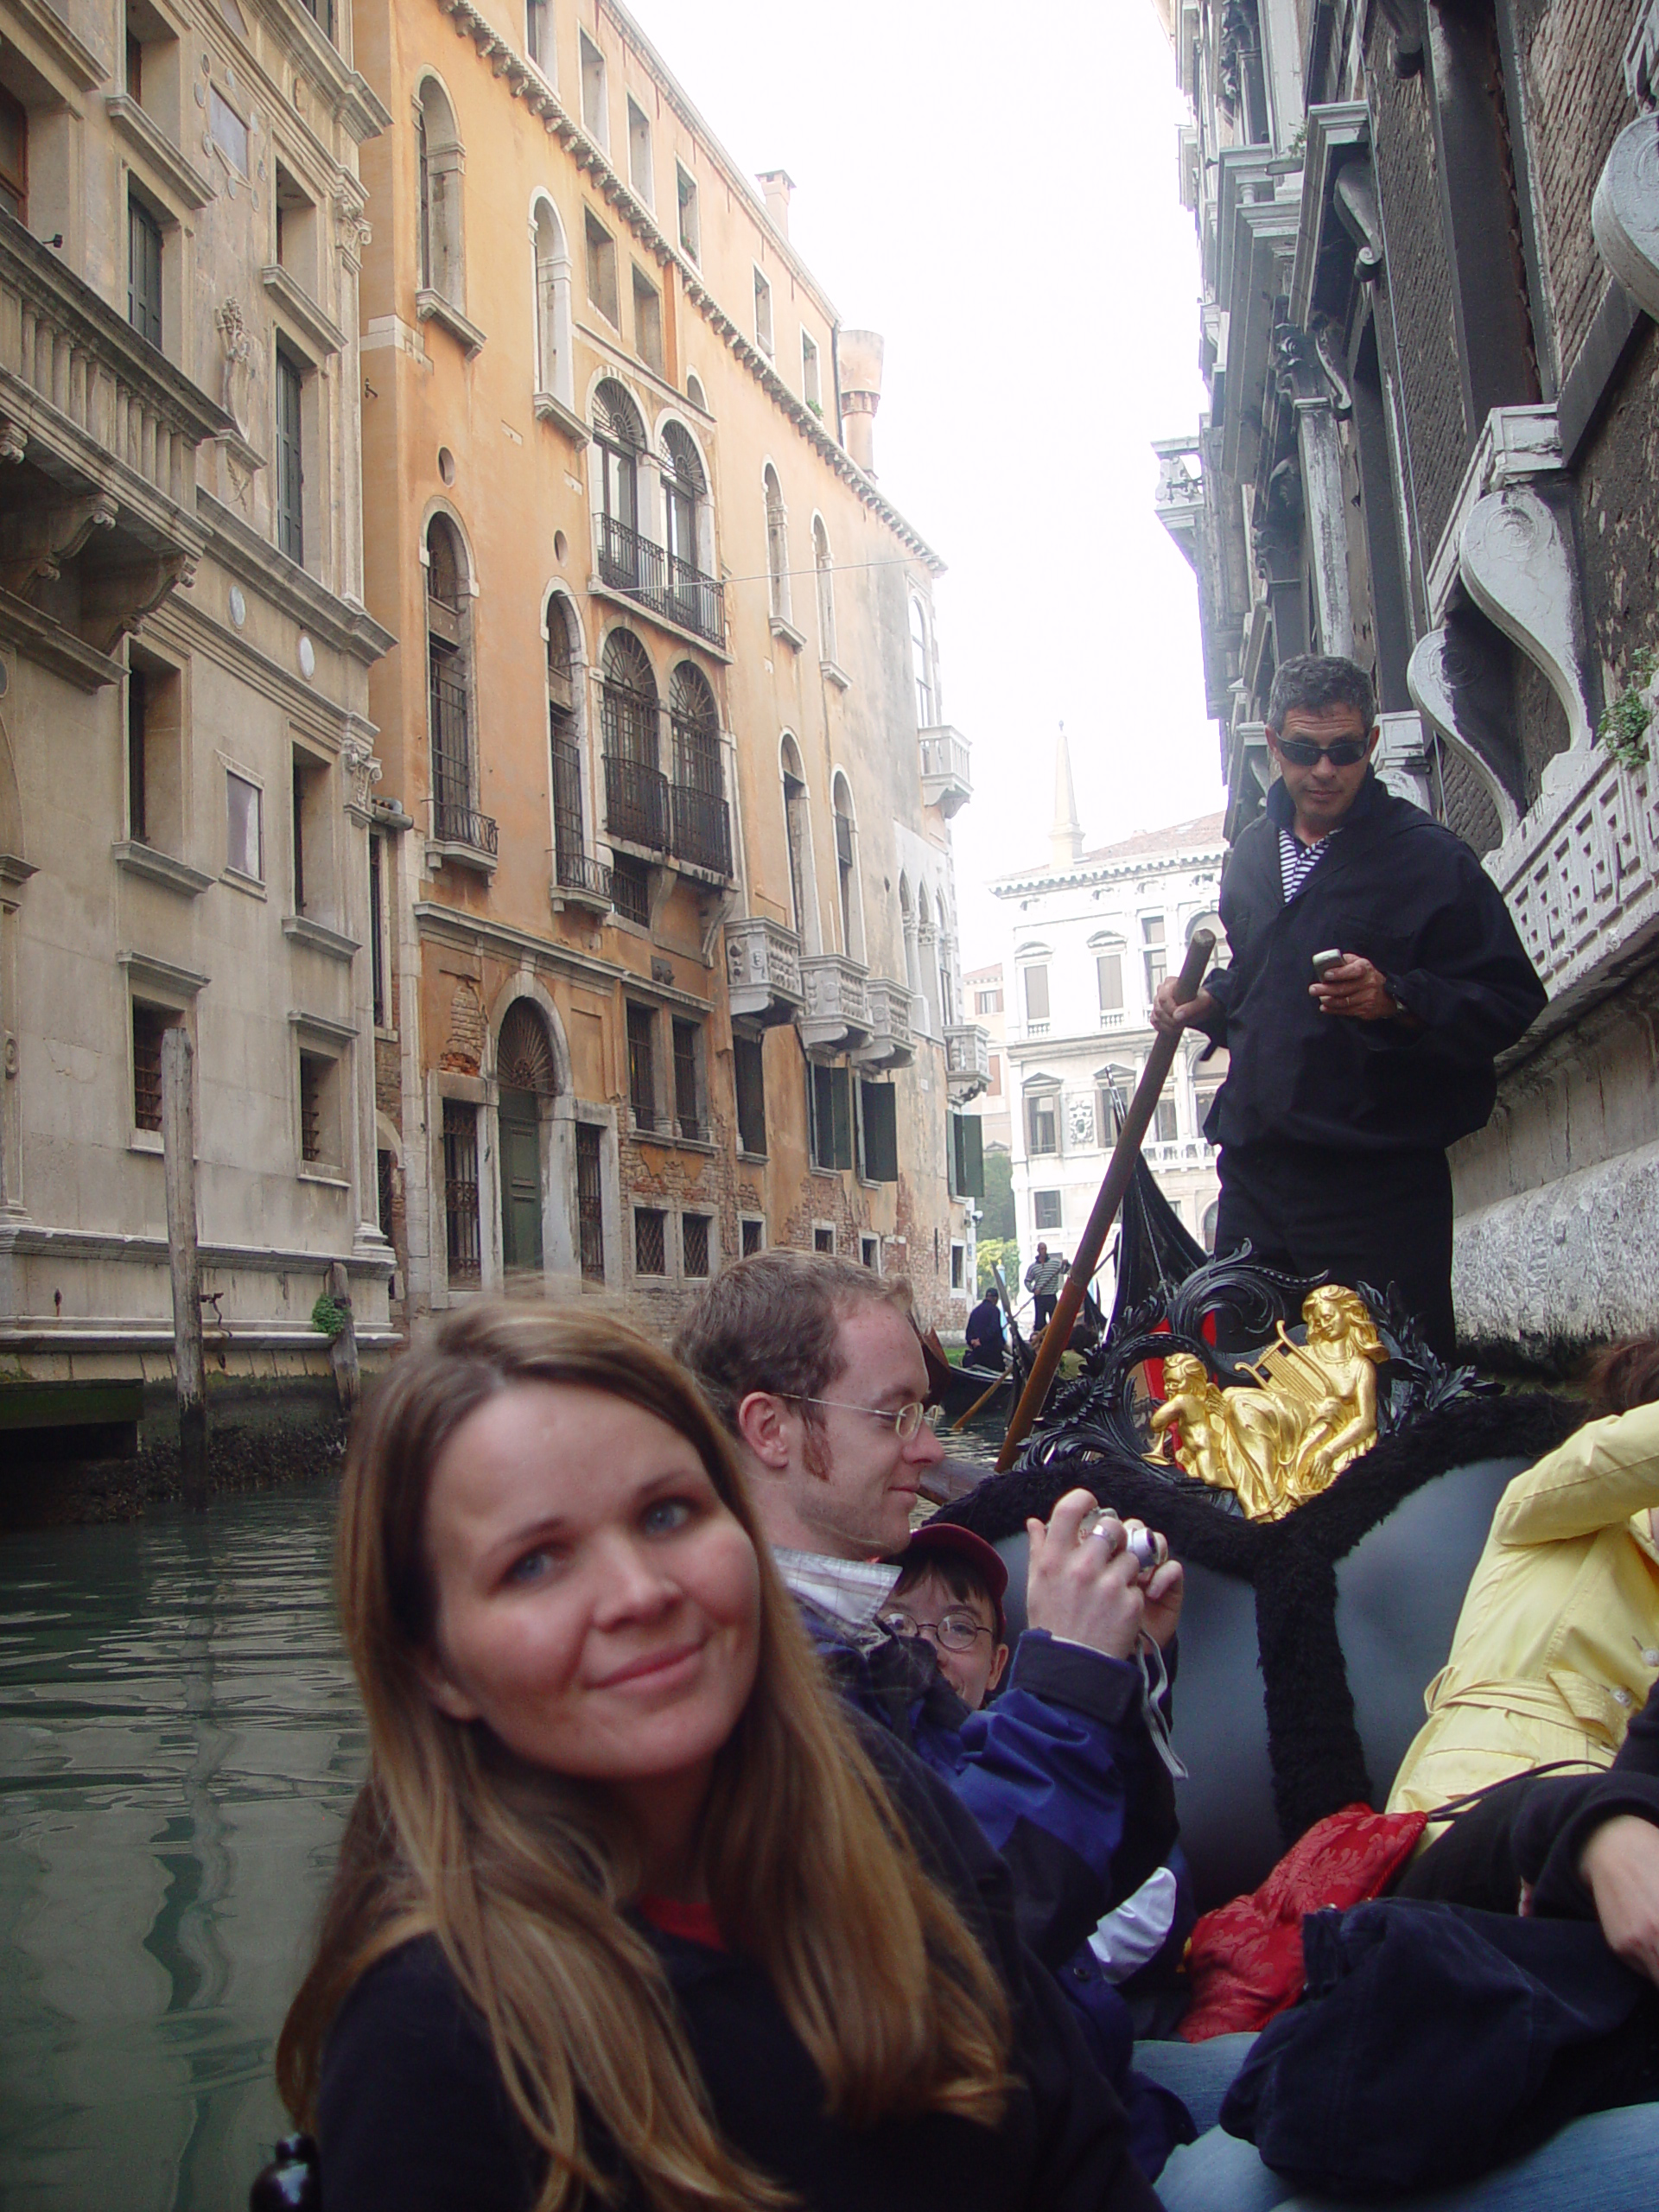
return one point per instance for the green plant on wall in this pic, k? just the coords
(1625, 726)
(329, 1317)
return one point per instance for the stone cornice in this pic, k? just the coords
(527, 83)
(353, 99)
(77, 60)
(1184, 860)
(129, 122)
(37, 1238)
(347, 628)
(474, 934)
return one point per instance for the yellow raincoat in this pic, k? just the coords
(1558, 1641)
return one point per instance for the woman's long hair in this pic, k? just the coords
(518, 1873)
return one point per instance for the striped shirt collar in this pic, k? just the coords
(1297, 862)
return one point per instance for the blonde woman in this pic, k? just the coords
(628, 1914)
(1558, 1643)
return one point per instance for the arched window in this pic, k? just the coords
(799, 833)
(636, 792)
(694, 392)
(440, 160)
(777, 546)
(921, 652)
(826, 582)
(553, 368)
(523, 1055)
(852, 933)
(700, 821)
(571, 866)
(449, 691)
(526, 1074)
(619, 439)
(693, 596)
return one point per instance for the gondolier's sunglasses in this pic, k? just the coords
(1302, 752)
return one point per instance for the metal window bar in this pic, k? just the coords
(694, 1243)
(650, 1242)
(636, 803)
(147, 1029)
(696, 601)
(572, 868)
(703, 831)
(752, 1235)
(461, 1190)
(590, 1202)
(310, 1109)
(631, 892)
(384, 1191)
(642, 1067)
(686, 1081)
(631, 563)
(456, 820)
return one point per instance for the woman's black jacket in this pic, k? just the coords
(413, 2116)
(1408, 896)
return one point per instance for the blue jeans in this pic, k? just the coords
(1200, 2074)
(1606, 2162)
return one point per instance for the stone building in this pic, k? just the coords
(186, 763)
(986, 989)
(1091, 936)
(670, 949)
(1429, 239)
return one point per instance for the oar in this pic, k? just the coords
(984, 1398)
(1120, 1169)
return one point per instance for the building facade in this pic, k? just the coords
(1091, 936)
(669, 921)
(986, 989)
(1426, 230)
(187, 766)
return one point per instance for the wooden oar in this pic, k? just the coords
(1119, 1170)
(984, 1398)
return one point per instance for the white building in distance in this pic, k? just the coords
(1091, 936)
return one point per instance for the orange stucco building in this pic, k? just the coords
(665, 963)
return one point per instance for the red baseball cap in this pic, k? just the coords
(938, 1539)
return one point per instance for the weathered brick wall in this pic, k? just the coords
(1465, 807)
(1420, 287)
(1571, 52)
(1540, 723)
(1619, 508)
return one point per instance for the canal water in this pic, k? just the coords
(180, 1741)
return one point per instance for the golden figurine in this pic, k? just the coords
(1279, 1444)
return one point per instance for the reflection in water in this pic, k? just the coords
(180, 1740)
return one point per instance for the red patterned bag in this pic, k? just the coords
(1244, 1960)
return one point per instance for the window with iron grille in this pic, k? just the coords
(749, 1082)
(694, 1243)
(461, 1190)
(823, 1240)
(291, 473)
(590, 1202)
(150, 1025)
(642, 1066)
(754, 1234)
(315, 1073)
(631, 889)
(143, 270)
(649, 1241)
(1046, 1209)
(687, 1048)
(383, 1184)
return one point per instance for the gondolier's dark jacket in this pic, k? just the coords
(1412, 898)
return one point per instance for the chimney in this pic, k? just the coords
(777, 184)
(1065, 838)
(859, 357)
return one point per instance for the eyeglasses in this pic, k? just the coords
(1303, 752)
(952, 1631)
(904, 1423)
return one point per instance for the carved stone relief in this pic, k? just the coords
(1518, 568)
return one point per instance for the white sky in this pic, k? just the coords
(995, 192)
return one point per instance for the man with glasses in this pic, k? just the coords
(815, 1366)
(1375, 975)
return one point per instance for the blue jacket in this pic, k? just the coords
(1061, 1775)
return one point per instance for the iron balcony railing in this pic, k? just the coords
(703, 829)
(637, 565)
(463, 825)
(576, 872)
(636, 803)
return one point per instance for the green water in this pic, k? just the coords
(180, 1740)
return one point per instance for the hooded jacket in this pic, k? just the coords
(1411, 898)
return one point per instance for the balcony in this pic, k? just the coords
(98, 435)
(966, 1061)
(702, 825)
(643, 570)
(763, 969)
(836, 1016)
(636, 803)
(580, 881)
(464, 835)
(890, 1045)
(946, 782)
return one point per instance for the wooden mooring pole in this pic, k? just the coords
(342, 1351)
(179, 1165)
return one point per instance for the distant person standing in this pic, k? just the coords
(1374, 976)
(983, 1341)
(1043, 1280)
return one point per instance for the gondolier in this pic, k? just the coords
(1375, 976)
(1043, 1280)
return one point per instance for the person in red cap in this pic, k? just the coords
(951, 1588)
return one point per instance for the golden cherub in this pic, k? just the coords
(1315, 1411)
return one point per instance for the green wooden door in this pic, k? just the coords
(521, 1179)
